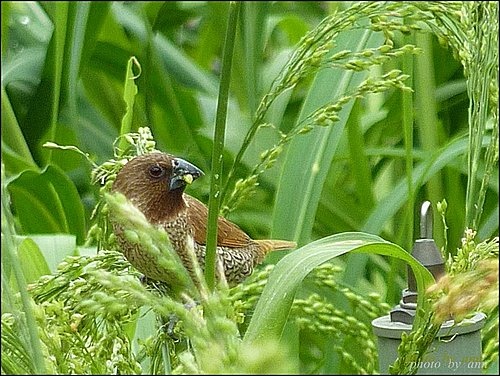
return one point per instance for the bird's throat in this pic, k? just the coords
(164, 207)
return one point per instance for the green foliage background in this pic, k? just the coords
(63, 72)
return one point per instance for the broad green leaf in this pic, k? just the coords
(53, 248)
(97, 14)
(28, 25)
(44, 109)
(47, 202)
(31, 260)
(273, 307)
(26, 65)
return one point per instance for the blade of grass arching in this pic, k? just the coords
(308, 157)
(218, 148)
(272, 310)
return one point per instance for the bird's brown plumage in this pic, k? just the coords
(155, 183)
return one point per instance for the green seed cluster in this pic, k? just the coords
(318, 315)
(153, 241)
(471, 253)
(369, 306)
(75, 308)
(245, 295)
(461, 294)
(414, 346)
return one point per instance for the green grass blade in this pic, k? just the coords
(426, 115)
(388, 206)
(218, 148)
(272, 310)
(407, 114)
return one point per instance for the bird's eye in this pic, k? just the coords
(156, 171)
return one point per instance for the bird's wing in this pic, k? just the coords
(228, 234)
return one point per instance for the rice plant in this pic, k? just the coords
(326, 123)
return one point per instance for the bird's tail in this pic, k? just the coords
(275, 245)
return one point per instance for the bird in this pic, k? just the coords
(154, 183)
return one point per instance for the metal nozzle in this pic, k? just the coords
(425, 249)
(427, 253)
(426, 220)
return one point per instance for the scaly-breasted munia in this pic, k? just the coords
(154, 183)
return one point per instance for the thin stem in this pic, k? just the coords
(407, 98)
(220, 127)
(482, 75)
(10, 257)
(427, 120)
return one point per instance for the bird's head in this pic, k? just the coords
(155, 182)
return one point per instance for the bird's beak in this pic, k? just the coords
(183, 173)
